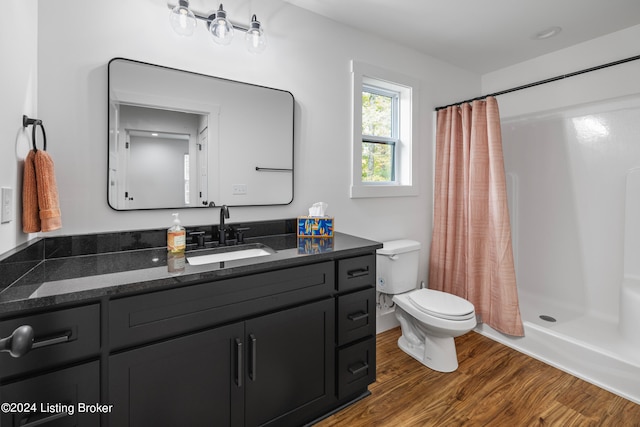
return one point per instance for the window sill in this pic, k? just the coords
(364, 191)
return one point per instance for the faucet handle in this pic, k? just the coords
(240, 233)
(197, 237)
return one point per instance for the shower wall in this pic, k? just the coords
(566, 174)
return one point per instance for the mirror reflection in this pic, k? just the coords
(179, 139)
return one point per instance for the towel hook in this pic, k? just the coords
(26, 121)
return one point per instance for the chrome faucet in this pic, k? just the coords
(224, 213)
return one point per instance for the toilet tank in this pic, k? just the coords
(397, 266)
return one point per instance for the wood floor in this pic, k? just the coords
(493, 386)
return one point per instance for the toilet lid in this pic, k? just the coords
(441, 304)
(396, 247)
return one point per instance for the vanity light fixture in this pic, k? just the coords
(183, 21)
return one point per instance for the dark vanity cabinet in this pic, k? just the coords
(276, 346)
(271, 361)
(250, 373)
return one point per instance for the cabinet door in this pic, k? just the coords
(290, 365)
(53, 399)
(195, 380)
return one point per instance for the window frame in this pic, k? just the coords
(406, 150)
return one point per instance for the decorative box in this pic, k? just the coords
(315, 226)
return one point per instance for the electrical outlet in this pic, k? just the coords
(7, 205)
(239, 189)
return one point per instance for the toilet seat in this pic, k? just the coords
(441, 304)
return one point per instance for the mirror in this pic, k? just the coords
(179, 140)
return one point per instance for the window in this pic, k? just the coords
(383, 153)
(379, 134)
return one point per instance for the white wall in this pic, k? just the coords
(307, 55)
(18, 96)
(571, 184)
(620, 80)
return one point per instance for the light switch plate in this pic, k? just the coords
(7, 205)
(239, 189)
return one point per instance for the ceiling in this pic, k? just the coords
(481, 35)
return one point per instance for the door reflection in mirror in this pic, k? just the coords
(154, 149)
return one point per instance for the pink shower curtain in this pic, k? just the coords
(471, 252)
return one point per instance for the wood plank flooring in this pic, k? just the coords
(493, 386)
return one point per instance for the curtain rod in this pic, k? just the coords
(541, 82)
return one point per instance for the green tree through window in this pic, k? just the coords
(379, 134)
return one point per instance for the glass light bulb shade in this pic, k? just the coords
(221, 31)
(182, 20)
(221, 28)
(255, 40)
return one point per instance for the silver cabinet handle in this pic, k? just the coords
(51, 341)
(356, 371)
(254, 356)
(351, 274)
(354, 317)
(239, 371)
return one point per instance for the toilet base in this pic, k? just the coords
(437, 353)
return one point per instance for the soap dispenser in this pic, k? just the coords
(176, 237)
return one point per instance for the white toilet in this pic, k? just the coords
(429, 319)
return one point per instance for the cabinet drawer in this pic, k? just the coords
(60, 337)
(356, 315)
(148, 317)
(356, 367)
(58, 393)
(358, 272)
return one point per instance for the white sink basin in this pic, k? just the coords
(227, 256)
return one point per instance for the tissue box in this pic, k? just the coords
(315, 226)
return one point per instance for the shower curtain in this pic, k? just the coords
(471, 252)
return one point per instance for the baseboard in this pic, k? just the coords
(386, 321)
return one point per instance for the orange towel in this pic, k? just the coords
(40, 207)
(47, 192)
(30, 211)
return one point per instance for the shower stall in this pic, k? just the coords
(573, 178)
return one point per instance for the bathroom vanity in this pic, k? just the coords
(282, 339)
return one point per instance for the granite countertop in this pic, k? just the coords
(28, 282)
